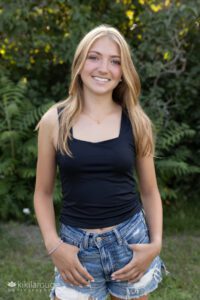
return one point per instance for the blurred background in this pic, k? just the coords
(37, 43)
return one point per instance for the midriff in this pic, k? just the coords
(100, 230)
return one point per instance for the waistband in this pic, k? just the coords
(84, 239)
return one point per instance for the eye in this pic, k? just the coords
(92, 57)
(116, 62)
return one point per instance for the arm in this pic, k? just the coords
(151, 200)
(45, 178)
(145, 253)
(65, 257)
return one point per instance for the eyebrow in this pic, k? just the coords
(101, 54)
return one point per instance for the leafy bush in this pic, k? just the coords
(38, 43)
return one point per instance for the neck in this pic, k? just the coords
(98, 105)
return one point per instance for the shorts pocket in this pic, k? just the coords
(68, 237)
(137, 233)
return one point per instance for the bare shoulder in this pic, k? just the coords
(49, 125)
(50, 117)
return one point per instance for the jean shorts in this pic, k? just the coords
(102, 254)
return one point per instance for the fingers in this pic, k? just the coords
(83, 271)
(136, 278)
(74, 278)
(78, 275)
(126, 276)
(79, 278)
(123, 270)
(132, 276)
(67, 262)
(130, 273)
(69, 278)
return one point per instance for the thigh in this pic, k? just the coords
(142, 298)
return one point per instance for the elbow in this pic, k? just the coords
(42, 195)
(150, 192)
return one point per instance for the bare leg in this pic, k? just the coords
(56, 298)
(142, 298)
(115, 298)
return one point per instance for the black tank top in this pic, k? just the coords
(98, 184)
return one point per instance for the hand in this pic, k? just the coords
(134, 270)
(66, 260)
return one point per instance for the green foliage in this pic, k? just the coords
(169, 46)
(172, 159)
(38, 40)
(17, 147)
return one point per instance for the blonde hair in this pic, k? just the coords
(126, 93)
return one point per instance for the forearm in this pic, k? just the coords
(45, 215)
(154, 215)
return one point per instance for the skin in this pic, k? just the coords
(102, 61)
(114, 298)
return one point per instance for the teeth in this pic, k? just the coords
(101, 79)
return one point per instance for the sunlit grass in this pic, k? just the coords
(23, 261)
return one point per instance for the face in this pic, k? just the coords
(102, 72)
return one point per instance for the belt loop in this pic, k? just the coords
(86, 240)
(118, 236)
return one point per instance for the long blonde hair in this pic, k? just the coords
(126, 94)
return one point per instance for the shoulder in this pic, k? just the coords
(48, 125)
(50, 118)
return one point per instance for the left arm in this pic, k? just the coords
(150, 196)
(151, 200)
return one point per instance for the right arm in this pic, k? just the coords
(45, 179)
(65, 257)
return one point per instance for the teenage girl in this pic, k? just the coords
(110, 235)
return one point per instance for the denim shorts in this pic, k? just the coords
(102, 254)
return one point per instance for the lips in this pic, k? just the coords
(101, 79)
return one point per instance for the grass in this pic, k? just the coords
(23, 260)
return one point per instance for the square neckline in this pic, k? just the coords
(103, 141)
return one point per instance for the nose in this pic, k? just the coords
(103, 66)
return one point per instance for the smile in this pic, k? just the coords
(101, 79)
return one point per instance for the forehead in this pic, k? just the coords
(105, 45)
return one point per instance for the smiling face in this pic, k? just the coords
(101, 71)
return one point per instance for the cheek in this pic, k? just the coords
(89, 67)
(117, 72)
(86, 71)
